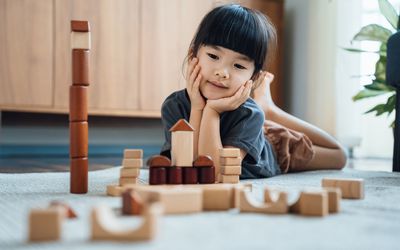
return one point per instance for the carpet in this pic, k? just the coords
(372, 223)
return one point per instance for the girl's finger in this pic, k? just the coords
(194, 74)
(192, 64)
(196, 84)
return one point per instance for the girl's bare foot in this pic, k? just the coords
(262, 94)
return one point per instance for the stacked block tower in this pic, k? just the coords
(231, 165)
(78, 105)
(131, 164)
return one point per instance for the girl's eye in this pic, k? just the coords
(239, 66)
(212, 56)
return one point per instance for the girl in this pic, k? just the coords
(225, 60)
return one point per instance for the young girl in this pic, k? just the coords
(225, 60)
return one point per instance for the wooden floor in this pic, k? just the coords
(61, 164)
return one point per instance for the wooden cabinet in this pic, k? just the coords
(137, 56)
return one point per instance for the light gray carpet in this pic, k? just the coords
(372, 223)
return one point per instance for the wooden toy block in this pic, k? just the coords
(80, 40)
(80, 26)
(127, 180)
(247, 204)
(182, 144)
(115, 190)
(78, 139)
(78, 103)
(218, 198)
(132, 204)
(229, 152)
(159, 161)
(105, 227)
(46, 224)
(129, 172)
(69, 212)
(189, 175)
(313, 203)
(231, 161)
(132, 163)
(229, 178)
(80, 67)
(133, 153)
(231, 170)
(157, 176)
(334, 197)
(174, 175)
(206, 175)
(79, 169)
(203, 161)
(351, 188)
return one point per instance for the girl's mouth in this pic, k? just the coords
(217, 85)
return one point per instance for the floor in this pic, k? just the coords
(61, 164)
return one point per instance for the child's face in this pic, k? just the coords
(223, 71)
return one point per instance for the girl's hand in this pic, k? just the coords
(233, 102)
(193, 79)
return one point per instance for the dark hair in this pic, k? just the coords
(237, 28)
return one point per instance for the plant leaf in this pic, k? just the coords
(380, 69)
(389, 12)
(391, 104)
(379, 109)
(373, 32)
(381, 53)
(366, 93)
(376, 85)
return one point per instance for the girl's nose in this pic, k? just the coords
(222, 73)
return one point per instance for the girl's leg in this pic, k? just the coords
(329, 154)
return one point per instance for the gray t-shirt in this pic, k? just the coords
(241, 128)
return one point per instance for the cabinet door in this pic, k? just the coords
(114, 55)
(26, 47)
(167, 30)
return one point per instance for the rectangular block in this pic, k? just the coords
(334, 197)
(229, 178)
(79, 169)
(78, 139)
(129, 172)
(78, 103)
(182, 148)
(127, 180)
(45, 224)
(351, 188)
(218, 198)
(80, 67)
(80, 40)
(80, 26)
(229, 152)
(132, 163)
(133, 153)
(231, 170)
(313, 203)
(231, 161)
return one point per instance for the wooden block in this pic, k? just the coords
(133, 153)
(189, 175)
(203, 161)
(127, 180)
(80, 26)
(80, 67)
(248, 204)
(157, 176)
(129, 172)
(313, 203)
(182, 148)
(78, 134)
(45, 224)
(218, 198)
(206, 175)
(78, 103)
(351, 188)
(231, 161)
(79, 169)
(80, 40)
(334, 197)
(229, 178)
(174, 175)
(69, 212)
(159, 161)
(229, 152)
(104, 225)
(115, 190)
(132, 163)
(132, 204)
(231, 170)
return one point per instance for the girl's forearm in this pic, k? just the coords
(209, 137)
(195, 119)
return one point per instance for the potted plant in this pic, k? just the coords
(378, 85)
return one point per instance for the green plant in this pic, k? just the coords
(378, 33)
